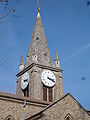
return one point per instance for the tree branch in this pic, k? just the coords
(4, 16)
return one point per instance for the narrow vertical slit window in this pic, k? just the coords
(26, 92)
(50, 94)
(44, 93)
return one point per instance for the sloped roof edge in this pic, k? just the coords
(40, 113)
(14, 97)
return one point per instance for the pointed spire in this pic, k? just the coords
(57, 61)
(21, 61)
(21, 66)
(38, 49)
(56, 57)
(28, 54)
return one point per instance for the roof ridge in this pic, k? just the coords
(56, 102)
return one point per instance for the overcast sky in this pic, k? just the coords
(67, 28)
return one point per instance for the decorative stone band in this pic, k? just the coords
(40, 66)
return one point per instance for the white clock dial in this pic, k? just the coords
(24, 81)
(48, 78)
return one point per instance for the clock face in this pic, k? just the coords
(48, 78)
(24, 81)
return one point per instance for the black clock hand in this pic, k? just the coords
(26, 80)
(51, 79)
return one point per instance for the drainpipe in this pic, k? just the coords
(23, 106)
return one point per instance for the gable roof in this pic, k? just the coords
(53, 103)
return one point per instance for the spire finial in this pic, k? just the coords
(38, 6)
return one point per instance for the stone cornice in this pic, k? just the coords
(39, 66)
(15, 98)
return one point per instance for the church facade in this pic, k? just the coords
(39, 91)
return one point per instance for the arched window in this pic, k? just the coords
(68, 117)
(9, 118)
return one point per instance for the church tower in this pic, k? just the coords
(39, 78)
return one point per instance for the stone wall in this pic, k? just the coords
(35, 84)
(12, 105)
(65, 107)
